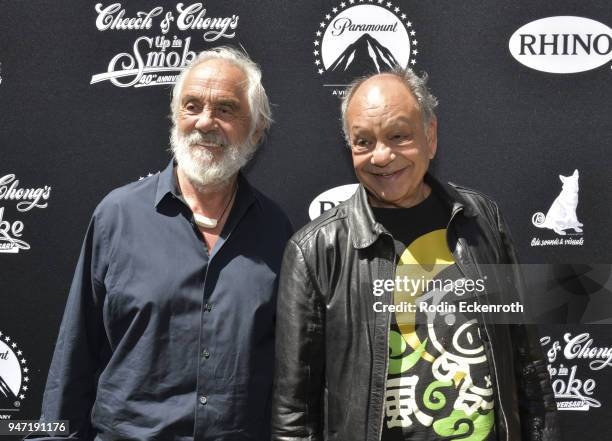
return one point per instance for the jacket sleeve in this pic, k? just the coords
(71, 383)
(300, 353)
(537, 406)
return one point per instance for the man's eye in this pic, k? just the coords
(225, 108)
(401, 137)
(361, 145)
(190, 107)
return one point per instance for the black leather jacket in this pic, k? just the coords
(331, 347)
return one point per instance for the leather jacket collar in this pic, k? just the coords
(364, 226)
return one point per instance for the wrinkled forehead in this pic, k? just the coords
(216, 78)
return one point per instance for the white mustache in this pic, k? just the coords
(214, 138)
(202, 167)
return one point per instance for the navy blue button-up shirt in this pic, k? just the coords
(162, 340)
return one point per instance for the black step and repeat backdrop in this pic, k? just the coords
(525, 92)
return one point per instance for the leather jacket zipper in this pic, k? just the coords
(384, 400)
(387, 326)
(484, 322)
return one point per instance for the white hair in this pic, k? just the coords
(259, 105)
(415, 84)
(200, 165)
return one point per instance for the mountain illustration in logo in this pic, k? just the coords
(364, 55)
(7, 397)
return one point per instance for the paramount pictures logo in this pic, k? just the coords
(158, 60)
(14, 377)
(359, 37)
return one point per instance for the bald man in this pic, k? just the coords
(359, 356)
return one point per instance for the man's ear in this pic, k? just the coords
(432, 137)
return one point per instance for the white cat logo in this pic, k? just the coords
(561, 215)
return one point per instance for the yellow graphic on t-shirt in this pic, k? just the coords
(421, 261)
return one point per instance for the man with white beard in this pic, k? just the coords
(169, 327)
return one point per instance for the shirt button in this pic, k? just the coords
(203, 400)
(205, 353)
(208, 307)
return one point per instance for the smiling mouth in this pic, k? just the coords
(210, 145)
(388, 175)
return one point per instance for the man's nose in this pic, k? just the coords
(382, 155)
(206, 121)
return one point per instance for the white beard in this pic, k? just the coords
(200, 165)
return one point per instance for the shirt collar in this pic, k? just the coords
(167, 186)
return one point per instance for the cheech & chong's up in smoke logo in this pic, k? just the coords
(155, 60)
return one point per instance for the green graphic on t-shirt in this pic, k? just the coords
(433, 399)
(460, 423)
(399, 363)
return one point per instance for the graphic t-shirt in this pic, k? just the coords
(438, 384)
